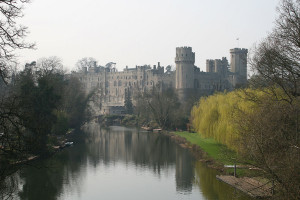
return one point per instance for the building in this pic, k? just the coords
(110, 85)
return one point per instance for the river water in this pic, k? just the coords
(122, 163)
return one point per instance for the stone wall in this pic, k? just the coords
(110, 85)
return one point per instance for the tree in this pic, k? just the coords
(11, 38)
(269, 136)
(163, 106)
(128, 102)
(11, 34)
(47, 66)
(38, 96)
(271, 133)
(276, 60)
(87, 62)
(75, 102)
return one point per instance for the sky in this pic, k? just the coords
(138, 32)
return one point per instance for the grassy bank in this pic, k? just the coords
(218, 152)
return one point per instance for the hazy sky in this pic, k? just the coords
(138, 32)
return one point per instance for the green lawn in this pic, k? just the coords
(215, 150)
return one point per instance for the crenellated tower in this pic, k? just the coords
(184, 60)
(238, 65)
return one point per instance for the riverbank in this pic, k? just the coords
(55, 144)
(218, 156)
(207, 150)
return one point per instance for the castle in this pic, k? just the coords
(110, 85)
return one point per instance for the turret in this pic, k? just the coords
(238, 65)
(184, 60)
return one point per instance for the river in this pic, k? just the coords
(121, 163)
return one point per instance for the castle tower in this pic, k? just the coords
(238, 65)
(210, 67)
(184, 60)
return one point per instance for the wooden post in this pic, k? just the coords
(234, 170)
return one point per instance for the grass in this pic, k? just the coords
(215, 150)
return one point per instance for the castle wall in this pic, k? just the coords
(188, 80)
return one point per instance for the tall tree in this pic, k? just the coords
(271, 134)
(87, 62)
(128, 102)
(11, 34)
(163, 106)
(276, 60)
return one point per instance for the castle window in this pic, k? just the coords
(119, 83)
(115, 83)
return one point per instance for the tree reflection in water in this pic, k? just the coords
(102, 149)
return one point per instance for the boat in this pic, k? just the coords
(69, 144)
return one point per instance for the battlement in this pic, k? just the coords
(184, 54)
(239, 50)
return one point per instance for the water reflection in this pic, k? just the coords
(125, 161)
(143, 150)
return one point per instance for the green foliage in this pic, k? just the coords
(61, 126)
(130, 120)
(74, 102)
(262, 125)
(216, 116)
(128, 102)
(40, 102)
(37, 100)
(214, 149)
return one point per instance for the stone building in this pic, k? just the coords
(110, 85)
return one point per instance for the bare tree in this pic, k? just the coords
(271, 133)
(11, 34)
(51, 65)
(276, 60)
(163, 106)
(87, 62)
